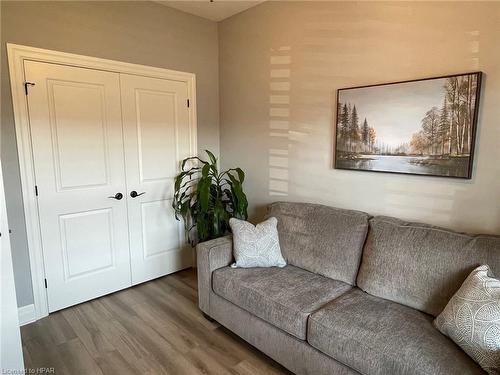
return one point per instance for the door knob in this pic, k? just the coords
(117, 196)
(134, 193)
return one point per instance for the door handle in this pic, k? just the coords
(117, 196)
(134, 193)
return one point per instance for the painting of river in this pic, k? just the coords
(423, 127)
(406, 164)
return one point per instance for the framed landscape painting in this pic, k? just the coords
(422, 127)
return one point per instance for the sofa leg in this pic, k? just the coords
(207, 317)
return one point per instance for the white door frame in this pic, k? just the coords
(17, 54)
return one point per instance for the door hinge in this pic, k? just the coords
(45, 283)
(188, 103)
(26, 84)
(36, 190)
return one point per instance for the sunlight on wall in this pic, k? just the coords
(474, 48)
(279, 120)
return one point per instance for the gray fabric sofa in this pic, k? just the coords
(358, 295)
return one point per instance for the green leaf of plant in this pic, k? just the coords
(239, 171)
(183, 164)
(205, 170)
(211, 156)
(203, 189)
(241, 174)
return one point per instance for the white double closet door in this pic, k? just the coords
(106, 148)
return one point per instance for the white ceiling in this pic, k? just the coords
(215, 11)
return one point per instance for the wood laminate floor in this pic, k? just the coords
(152, 328)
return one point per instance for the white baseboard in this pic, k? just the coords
(26, 314)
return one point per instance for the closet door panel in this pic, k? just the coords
(156, 138)
(76, 128)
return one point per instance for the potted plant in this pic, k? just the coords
(206, 199)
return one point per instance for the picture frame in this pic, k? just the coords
(419, 127)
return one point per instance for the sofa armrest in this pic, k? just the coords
(211, 255)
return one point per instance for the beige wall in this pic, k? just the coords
(317, 47)
(137, 32)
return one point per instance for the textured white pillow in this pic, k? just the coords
(472, 319)
(256, 245)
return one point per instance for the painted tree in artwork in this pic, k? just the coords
(461, 100)
(344, 126)
(467, 91)
(451, 88)
(430, 128)
(443, 126)
(353, 128)
(365, 134)
(418, 143)
(372, 136)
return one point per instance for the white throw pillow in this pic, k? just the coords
(256, 245)
(472, 319)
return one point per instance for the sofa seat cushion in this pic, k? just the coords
(376, 336)
(284, 297)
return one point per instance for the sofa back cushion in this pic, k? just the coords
(420, 265)
(324, 240)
